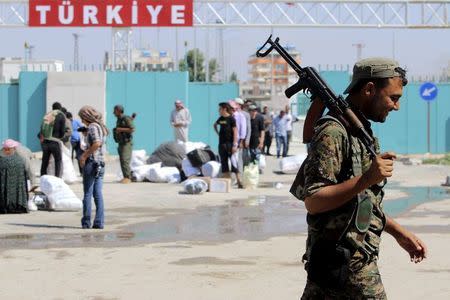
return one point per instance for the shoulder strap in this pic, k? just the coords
(353, 146)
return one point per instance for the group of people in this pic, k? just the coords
(341, 182)
(279, 127)
(58, 129)
(87, 140)
(243, 133)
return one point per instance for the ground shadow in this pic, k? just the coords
(44, 226)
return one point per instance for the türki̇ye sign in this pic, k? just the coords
(110, 13)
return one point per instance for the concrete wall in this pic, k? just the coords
(76, 89)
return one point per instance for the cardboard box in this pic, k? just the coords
(220, 185)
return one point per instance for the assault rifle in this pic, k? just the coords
(310, 82)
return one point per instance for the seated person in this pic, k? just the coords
(13, 180)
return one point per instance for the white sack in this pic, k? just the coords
(68, 171)
(142, 172)
(59, 194)
(138, 158)
(166, 174)
(291, 165)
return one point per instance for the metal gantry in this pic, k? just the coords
(324, 13)
(415, 14)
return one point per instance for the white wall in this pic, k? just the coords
(76, 89)
(10, 69)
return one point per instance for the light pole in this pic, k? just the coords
(186, 56)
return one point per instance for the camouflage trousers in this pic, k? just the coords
(125, 151)
(362, 284)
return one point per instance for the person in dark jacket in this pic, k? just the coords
(53, 129)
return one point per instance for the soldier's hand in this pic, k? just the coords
(381, 168)
(416, 249)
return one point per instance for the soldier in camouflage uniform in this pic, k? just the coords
(123, 135)
(343, 193)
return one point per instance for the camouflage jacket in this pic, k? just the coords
(334, 157)
(122, 137)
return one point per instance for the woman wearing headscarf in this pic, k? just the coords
(13, 180)
(93, 164)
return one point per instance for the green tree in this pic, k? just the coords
(193, 57)
(213, 66)
(233, 77)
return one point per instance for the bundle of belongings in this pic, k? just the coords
(173, 162)
(201, 161)
(55, 195)
(151, 169)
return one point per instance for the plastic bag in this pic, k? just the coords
(40, 200)
(32, 206)
(250, 178)
(262, 162)
(211, 169)
(195, 186)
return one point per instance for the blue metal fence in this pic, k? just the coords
(151, 95)
(204, 99)
(405, 131)
(31, 104)
(9, 110)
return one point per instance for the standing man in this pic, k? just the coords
(53, 129)
(244, 153)
(280, 128)
(257, 136)
(289, 120)
(75, 138)
(226, 129)
(123, 135)
(241, 107)
(180, 119)
(343, 193)
(268, 130)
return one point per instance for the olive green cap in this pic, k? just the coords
(375, 67)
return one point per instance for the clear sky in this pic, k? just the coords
(422, 52)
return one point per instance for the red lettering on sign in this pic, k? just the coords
(110, 13)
